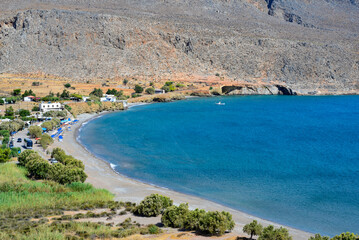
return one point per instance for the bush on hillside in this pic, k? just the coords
(66, 174)
(15, 151)
(138, 89)
(215, 223)
(253, 229)
(38, 168)
(212, 223)
(153, 205)
(271, 233)
(68, 160)
(346, 236)
(12, 126)
(5, 155)
(175, 217)
(24, 113)
(193, 219)
(319, 237)
(59, 114)
(23, 157)
(150, 90)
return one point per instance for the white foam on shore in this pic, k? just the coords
(113, 166)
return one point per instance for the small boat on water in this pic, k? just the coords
(220, 103)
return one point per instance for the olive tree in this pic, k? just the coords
(46, 140)
(319, 237)
(346, 236)
(66, 174)
(24, 156)
(38, 168)
(253, 229)
(271, 233)
(150, 90)
(174, 216)
(153, 205)
(216, 223)
(35, 131)
(5, 155)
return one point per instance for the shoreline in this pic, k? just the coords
(102, 175)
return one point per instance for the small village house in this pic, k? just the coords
(29, 99)
(108, 98)
(49, 106)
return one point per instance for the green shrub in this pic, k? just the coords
(138, 88)
(69, 160)
(215, 223)
(24, 156)
(35, 131)
(193, 219)
(153, 205)
(346, 236)
(271, 233)
(15, 151)
(12, 126)
(153, 229)
(38, 168)
(5, 155)
(46, 140)
(175, 217)
(319, 237)
(24, 113)
(180, 85)
(80, 187)
(150, 90)
(66, 174)
(97, 92)
(67, 85)
(253, 229)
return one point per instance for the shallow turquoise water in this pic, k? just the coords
(293, 160)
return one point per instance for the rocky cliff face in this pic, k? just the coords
(306, 45)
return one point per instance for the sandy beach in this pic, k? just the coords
(101, 175)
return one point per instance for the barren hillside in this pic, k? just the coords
(307, 45)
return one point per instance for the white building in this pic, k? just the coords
(159, 91)
(49, 106)
(29, 99)
(108, 98)
(84, 99)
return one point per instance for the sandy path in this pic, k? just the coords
(101, 175)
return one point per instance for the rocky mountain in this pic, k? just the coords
(311, 46)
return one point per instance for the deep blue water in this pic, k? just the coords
(290, 159)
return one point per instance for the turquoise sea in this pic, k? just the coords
(289, 159)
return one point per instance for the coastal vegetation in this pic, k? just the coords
(153, 205)
(46, 140)
(51, 124)
(150, 90)
(68, 169)
(253, 229)
(169, 87)
(12, 126)
(138, 89)
(212, 223)
(35, 131)
(29, 209)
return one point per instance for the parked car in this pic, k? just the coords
(19, 140)
(53, 160)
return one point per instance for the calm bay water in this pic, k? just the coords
(292, 160)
